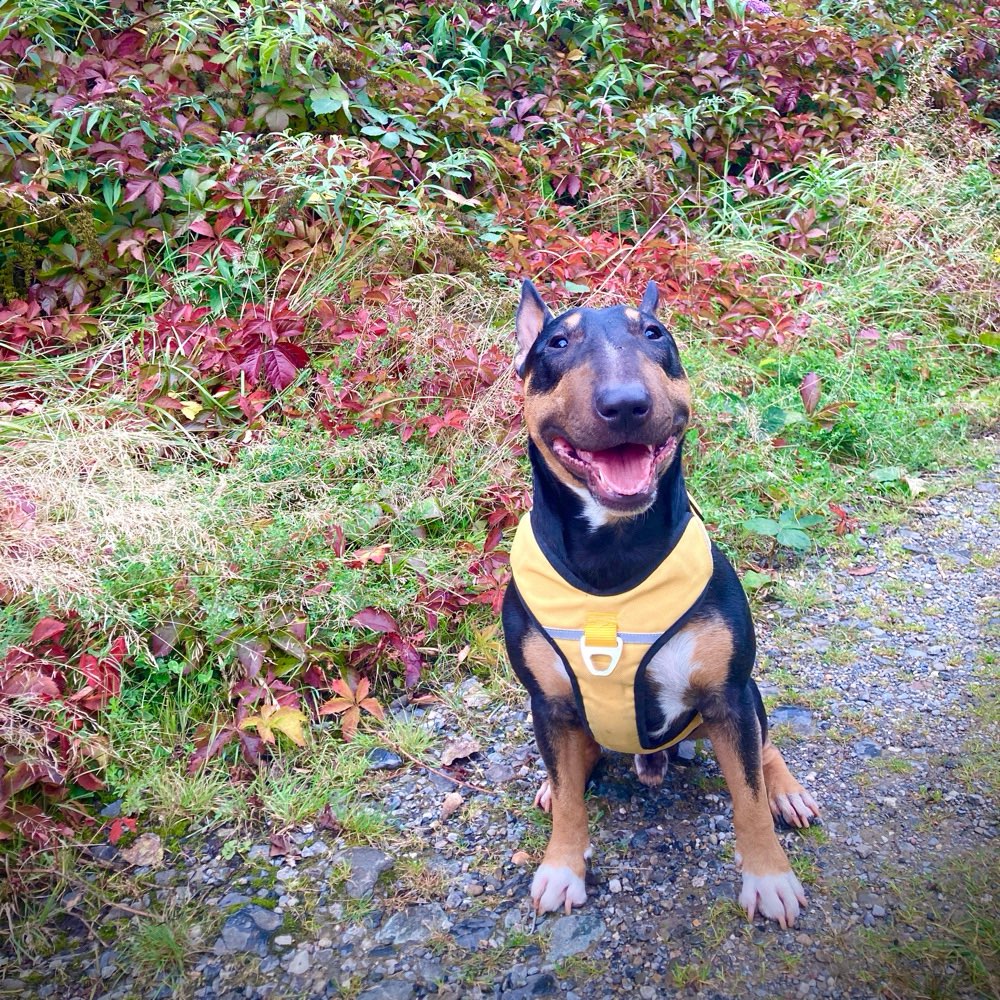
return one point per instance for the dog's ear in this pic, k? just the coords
(650, 299)
(532, 315)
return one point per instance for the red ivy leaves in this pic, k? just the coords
(382, 621)
(53, 718)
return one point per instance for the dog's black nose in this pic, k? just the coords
(623, 405)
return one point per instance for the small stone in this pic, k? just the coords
(520, 858)
(299, 963)
(878, 911)
(390, 989)
(475, 889)
(283, 940)
(247, 930)
(415, 923)
(615, 885)
(799, 720)
(232, 899)
(380, 759)
(866, 748)
(472, 932)
(573, 934)
(112, 809)
(498, 773)
(367, 865)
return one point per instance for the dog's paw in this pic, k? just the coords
(777, 896)
(543, 797)
(796, 808)
(651, 767)
(557, 887)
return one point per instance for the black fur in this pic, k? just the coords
(616, 556)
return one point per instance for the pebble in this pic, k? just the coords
(367, 865)
(380, 759)
(574, 934)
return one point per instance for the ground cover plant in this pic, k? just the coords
(261, 452)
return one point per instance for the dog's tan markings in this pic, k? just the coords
(568, 407)
(670, 394)
(632, 315)
(559, 882)
(786, 797)
(545, 666)
(571, 321)
(713, 651)
(769, 886)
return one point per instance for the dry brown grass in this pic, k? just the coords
(72, 487)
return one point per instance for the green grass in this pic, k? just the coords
(946, 940)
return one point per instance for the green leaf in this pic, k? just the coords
(752, 580)
(888, 474)
(329, 100)
(762, 526)
(773, 419)
(810, 520)
(794, 539)
(576, 287)
(390, 140)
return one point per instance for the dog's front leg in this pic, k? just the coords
(769, 885)
(570, 754)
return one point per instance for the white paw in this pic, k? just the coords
(796, 808)
(543, 797)
(556, 887)
(776, 896)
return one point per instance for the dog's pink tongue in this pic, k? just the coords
(625, 469)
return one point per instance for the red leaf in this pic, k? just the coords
(376, 554)
(862, 570)
(47, 629)
(379, 621)
(135, 188)
(118, 827)
(29, 683)
(25, 774)
(154, 196)
(809, 390)
(282, 363)
(90, 781)
(412, 660)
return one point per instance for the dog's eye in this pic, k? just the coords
(559, 342)
(654, 333)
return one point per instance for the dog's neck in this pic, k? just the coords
(603, 549)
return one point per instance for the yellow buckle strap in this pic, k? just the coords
(601, 629)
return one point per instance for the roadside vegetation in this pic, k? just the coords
(260, 453)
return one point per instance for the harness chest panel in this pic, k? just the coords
(606, 640)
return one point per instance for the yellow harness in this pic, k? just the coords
(605, 639)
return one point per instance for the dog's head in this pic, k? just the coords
(606, 398)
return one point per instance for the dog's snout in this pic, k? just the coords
(624, 404)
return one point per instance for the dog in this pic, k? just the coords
(626, 624)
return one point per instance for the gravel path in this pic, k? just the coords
(871, 685)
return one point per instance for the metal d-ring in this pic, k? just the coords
(613, 652)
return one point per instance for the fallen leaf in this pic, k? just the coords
(861, 570)
(916, 485)
(809, 391)
(280, 845)
(464, 746)
(327, 820)
(452, 803)
(283, 719)
(147, 850)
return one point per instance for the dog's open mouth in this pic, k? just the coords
(624, 476)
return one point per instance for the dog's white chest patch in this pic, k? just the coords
(668, 674)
